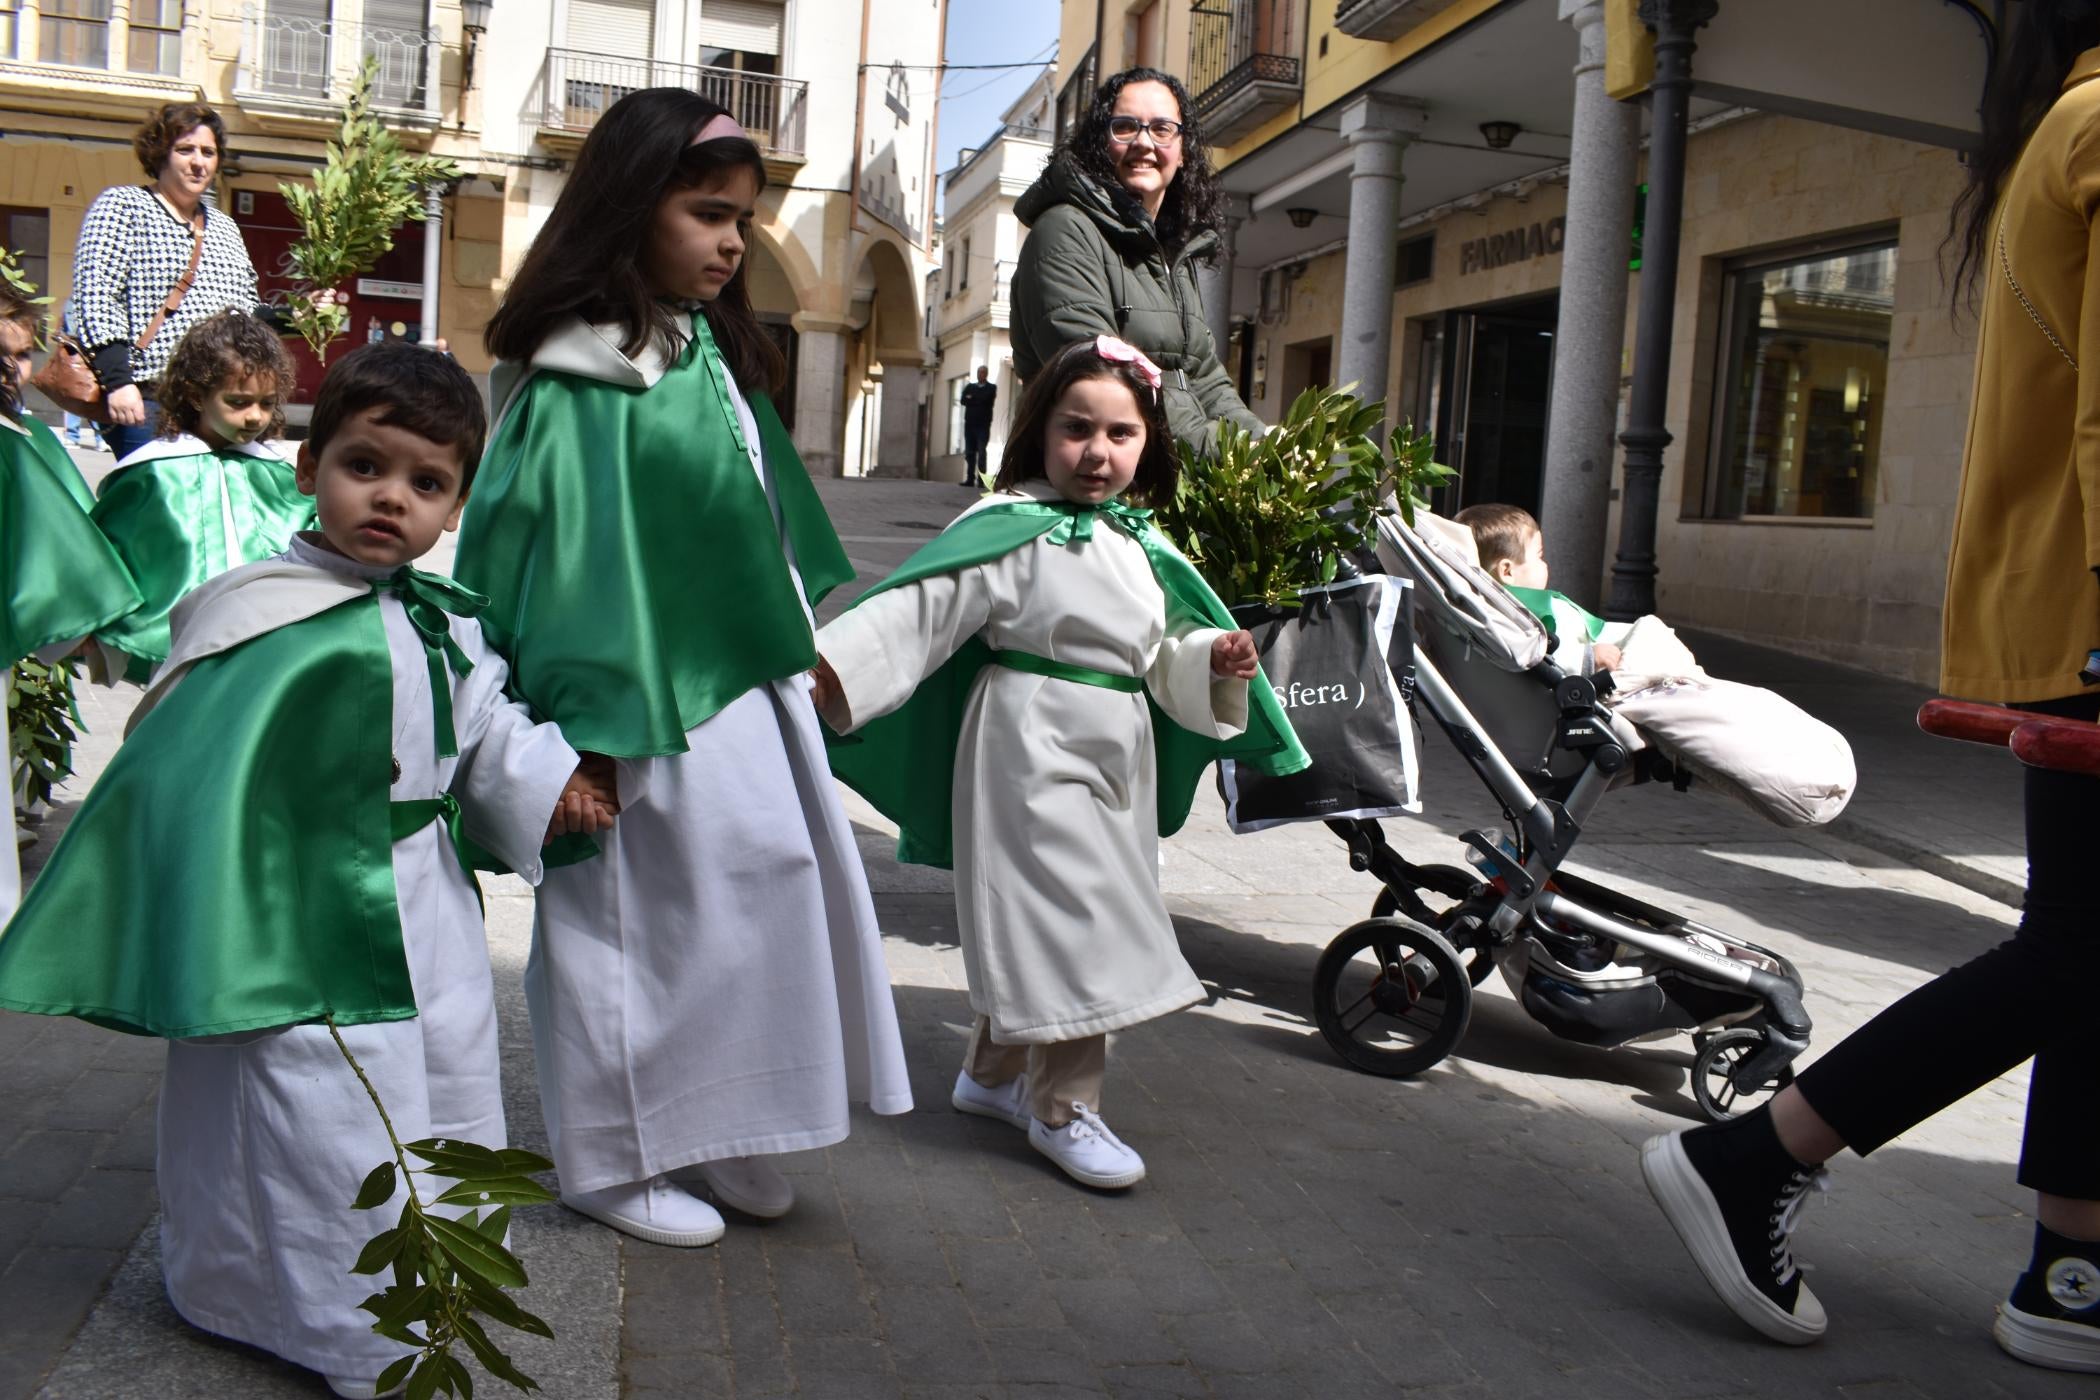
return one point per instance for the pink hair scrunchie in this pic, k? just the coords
(1123, 352)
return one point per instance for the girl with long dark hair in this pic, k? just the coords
(707, 990)
(2020, 622)
(1117, 225)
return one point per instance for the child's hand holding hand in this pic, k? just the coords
(1608, 656)
(824, 688)
(589, 800)
(1234, 656)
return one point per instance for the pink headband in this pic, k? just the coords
(1124, 353)
(719, 126)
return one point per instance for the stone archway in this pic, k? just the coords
(885, 362)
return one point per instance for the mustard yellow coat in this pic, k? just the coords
(2023, 606)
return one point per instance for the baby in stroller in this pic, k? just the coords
(1747, 741)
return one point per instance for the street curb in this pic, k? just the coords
(1948, 868)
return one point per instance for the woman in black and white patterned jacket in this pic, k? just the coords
(135, 244)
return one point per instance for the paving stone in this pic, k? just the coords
(105, 1210)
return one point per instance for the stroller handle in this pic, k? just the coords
(2040, 741)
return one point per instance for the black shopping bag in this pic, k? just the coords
(1340, 663)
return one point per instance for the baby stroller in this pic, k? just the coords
(1393, 994)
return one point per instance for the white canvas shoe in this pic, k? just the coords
(655, 1210)
(1087, 1151)
(752, 1185)
(1006, 1102)
(350, 1388)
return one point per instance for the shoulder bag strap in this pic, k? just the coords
(182, 284)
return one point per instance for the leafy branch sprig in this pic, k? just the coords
(446, 1269)
(365, 190)
(42, 727)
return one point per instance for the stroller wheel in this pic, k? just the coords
(1719, 1097)
(1391, 996)
(1479, 957)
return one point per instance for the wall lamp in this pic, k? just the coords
(1498, 135)
(473, 22)
(1301, 217)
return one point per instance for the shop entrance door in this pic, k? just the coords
(1499, 381)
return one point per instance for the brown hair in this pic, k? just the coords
(1158, 470)
(1499, 532)
(417, 389)
(21, 311)
(157, 136)
(229, 345)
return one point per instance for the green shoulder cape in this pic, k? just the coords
(904, 762)
(232, 869)
(59, 579)
(631, 556)
(51, 453)
(180, 519)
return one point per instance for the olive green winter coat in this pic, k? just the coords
(1092, 265)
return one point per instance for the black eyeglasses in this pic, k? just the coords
(1125, 130)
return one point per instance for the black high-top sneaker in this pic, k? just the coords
(2053, 1316)
(1733, 1194)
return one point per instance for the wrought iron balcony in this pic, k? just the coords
(578, 87)
(1384, 19)
(1243, 64)
(292, 66)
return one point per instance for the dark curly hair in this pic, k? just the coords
(222, 347)
(1194, 202)
(1158, 468)
(157, 136)
(18, 310)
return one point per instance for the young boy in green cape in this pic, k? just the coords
(282, 840)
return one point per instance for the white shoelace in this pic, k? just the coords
(1792, 1201)
(1086, 1123)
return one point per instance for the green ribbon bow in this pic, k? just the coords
(1078, 523)
(430, 600)
(407, 818)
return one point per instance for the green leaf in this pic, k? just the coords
(379, 1251)
(378, 1188)
(424, 1383)
(492, 1357)
(394, 1374)
(464, 1161)
(496, 1224)
(503, 1308)
(519, 1162)
(470, 1253)
(462, 1378)
(497, 1191)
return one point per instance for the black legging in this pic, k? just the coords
(2032, 996)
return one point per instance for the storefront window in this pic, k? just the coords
(1799, 407)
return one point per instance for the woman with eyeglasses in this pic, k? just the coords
(1117, 223)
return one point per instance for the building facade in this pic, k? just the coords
(1448, 203)
(840, 94)
(981, 241)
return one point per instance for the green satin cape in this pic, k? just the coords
(232, 869)
(904, 762)
(52, 453)
(631, 556)
(62, 580)
(164, 519)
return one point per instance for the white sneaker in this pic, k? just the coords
(1006, 1102)
(350, 1388)
(1087, 1151)
(749, 1184)
(655, 1210)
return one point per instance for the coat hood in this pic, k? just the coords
(1120, 218)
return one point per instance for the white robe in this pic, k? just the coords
(264, 1139)
(1064, 931)
(713, 984)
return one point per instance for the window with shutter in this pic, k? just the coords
(614, 41)
(754, 26)
(394, 34)
(295, 46)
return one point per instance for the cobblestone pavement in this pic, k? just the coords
(1305, 1230)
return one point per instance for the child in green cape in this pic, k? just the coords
(58, 578)
(209, 493)
(1055, 652)
(281, 839)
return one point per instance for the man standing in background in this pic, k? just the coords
(977, 400)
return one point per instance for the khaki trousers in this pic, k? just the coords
(1060, 1073)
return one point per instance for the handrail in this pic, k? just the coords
(2039, 741)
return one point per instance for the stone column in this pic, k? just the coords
(820, 392)
(1216, 282)
(897, 432)
(433, 257)
(1377, 129)
(1589, 344)
(1633, 571)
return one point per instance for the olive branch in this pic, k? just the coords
(365, 190)
(1267, 517)
(446, 1269)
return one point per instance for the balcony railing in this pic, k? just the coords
(1384, 19)
(579, 87)
(1018, 133)
(1243, 64)
(318, 60)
